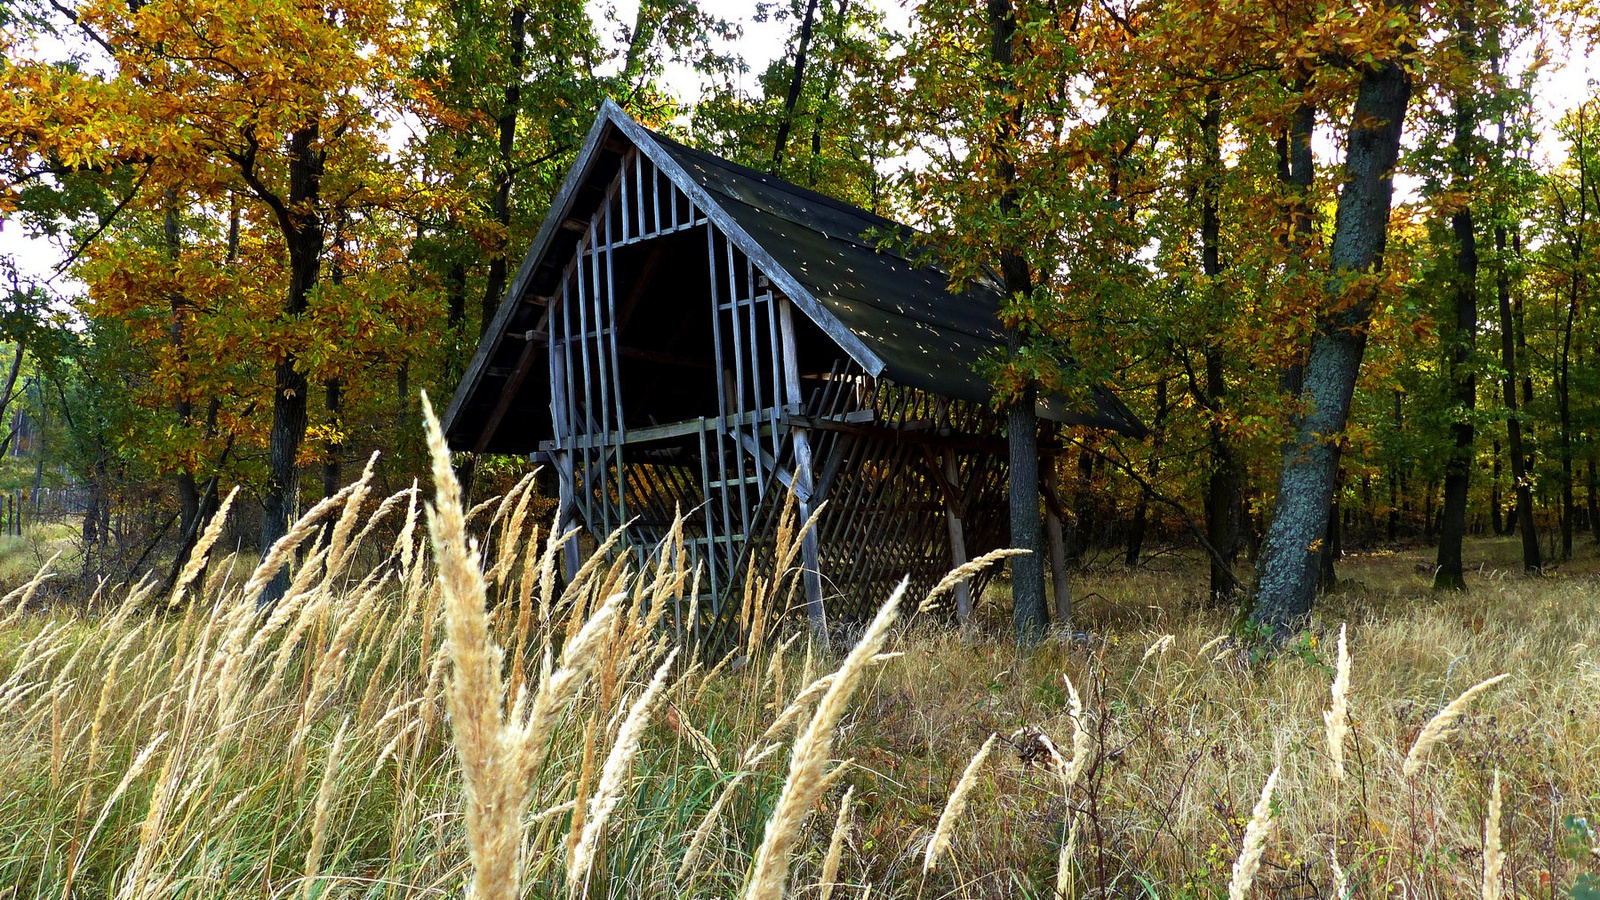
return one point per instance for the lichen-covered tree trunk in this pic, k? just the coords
(1287, 577)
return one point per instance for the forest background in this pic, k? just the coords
(277, 221)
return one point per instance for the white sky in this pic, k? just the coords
(1561, 89)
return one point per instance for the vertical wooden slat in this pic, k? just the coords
(619, 190)
(722, 395)
(567, 517)
(780, 393)
(638, 188)
(614, 362)
(738, 377)
(601, 221)
(655, 193)
(710, 528)
(566, 356)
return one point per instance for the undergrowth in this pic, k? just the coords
(458, 720)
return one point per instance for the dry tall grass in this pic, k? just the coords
(386, 731)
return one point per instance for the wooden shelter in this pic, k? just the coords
(689, 334)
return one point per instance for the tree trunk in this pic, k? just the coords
(1055, 529)
(1593, 501)
(1509, 357)
(1497, 515)
(506, 172)
(1332, 546)
(182, 407)
(827, 91)
(1564, 420)
(1141, 514)
(1223, 481)
(1576, 233)
(1287, 581)
(303, 233)
(1029, 613)
(797, 81)
(333, 447)
(1083, 511)
(1461, 339)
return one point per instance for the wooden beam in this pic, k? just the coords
(665, 359)
(507, 394)
(640, 284)
(1056, 540)
(955, 529)
(804, 473)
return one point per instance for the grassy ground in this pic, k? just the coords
(22, 555)
(360, 742)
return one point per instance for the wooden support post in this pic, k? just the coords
(567, 514)
(1056, 539)
(811, 557)
(953, 513)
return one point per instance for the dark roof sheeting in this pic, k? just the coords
(927, 336)
(897, 318)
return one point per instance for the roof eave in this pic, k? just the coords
(495, 333)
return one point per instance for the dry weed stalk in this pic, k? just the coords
(1080, 737)
(498, 758)
(324, 804)
(1494, 857)
(1336, 718)
(1064, 887)
(1254, 844)
(202, 550)
(702, 832)
(808, 762)
(830, 863)
(1158, 648)
(953, 807)
(1341, 882)
(963, 573)
(1438, 727)
(614, 775)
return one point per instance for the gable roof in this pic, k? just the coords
(895, 317)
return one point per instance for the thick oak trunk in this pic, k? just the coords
(1287, 579)
(1224, 480)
